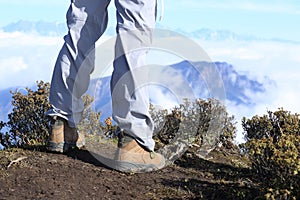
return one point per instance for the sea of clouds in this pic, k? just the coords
(28, 57)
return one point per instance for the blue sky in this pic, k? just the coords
(268, 19)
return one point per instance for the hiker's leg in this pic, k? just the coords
(86, 20)
(135, 19)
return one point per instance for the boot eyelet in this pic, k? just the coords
(152, 154)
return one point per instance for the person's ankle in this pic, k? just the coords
(124, 139)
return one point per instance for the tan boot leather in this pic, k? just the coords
(131, 157)
(56, 137)
(72, 138)
(62, 137)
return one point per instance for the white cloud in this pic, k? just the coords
(9, 67)
(260, 59)
(160, 98)
(14, 64)
(26, 58)
(276, 60)
(18, 39)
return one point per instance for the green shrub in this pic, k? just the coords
(206, 123)
(2, 135)
(27, 123)
(273, 144)
(215, 124)
(90, 123)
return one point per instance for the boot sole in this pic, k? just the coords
(63, 147)
(55, 147)
(128, 167)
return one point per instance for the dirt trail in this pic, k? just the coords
(30, 174)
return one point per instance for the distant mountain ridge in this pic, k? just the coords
(238, 87)
(42, 28)
(45, 28)
(39, 27)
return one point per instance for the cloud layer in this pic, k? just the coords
(265, 61)
(26, 58)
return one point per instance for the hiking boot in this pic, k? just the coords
(56, 137)
(72, 138)
(62, 137)
(132, 157)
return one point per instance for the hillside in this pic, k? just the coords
(36, 174)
